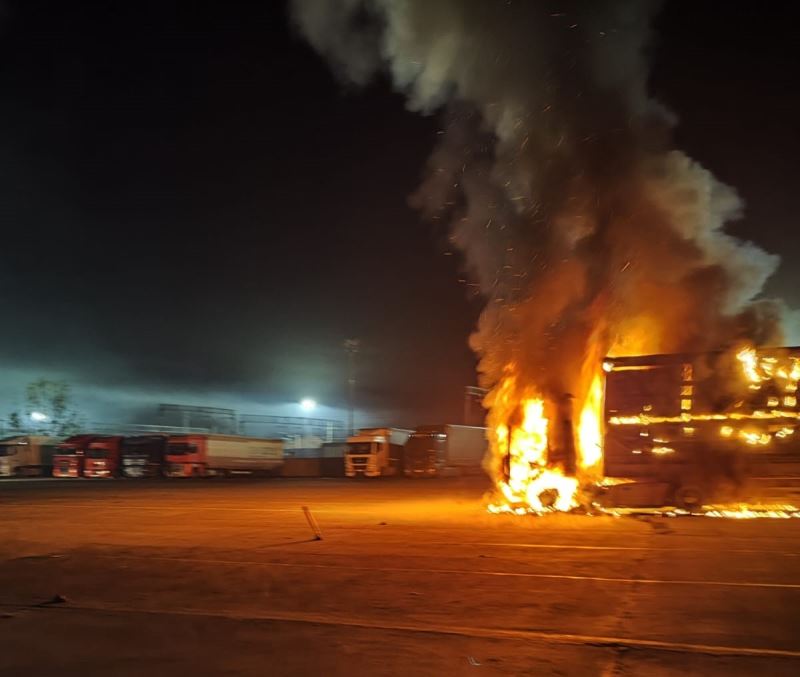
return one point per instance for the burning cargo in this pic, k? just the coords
(692, 429)
(680, 430)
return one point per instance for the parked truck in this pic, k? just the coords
(221, 455)
(692, 429)
(375, 452)
(102, 457)
(143, 455)
(445, 451)
(27, 455)
(69, 456)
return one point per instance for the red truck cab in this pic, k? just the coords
(185, 456)
(102, 458)
(68, 458)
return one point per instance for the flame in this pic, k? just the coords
(747, 511)
(662, 451)
(528, 482)
(530, 485)
(749, 359)
(590, 430)
(754, 437)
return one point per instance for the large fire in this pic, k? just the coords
(529, 480)
(530, 486)
(587, 231)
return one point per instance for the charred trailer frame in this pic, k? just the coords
(688, 429)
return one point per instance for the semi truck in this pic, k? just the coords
(375, 452)
(69, 456)
(102, 457)
(692, 429)
(143, 455)
(27, 455)
(445, 451)
(221, 455)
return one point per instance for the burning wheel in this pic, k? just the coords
(689, 497)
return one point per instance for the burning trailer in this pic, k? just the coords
(690, 430)
(681, 430)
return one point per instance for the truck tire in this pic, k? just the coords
(689, 497)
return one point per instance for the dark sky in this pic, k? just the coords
(194, 210)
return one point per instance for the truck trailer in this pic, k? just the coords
(27, 455)
(375, 452)
(221, 455)
(692, 429)
(445, 451)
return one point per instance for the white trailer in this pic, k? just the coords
(204, 455)
(26, 455)
(375, 452)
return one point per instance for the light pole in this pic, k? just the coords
(352, 347)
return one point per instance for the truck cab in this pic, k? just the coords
(102, 457)
(425, 452)
(143, 455)
(68, 459)
(375, 452)
(184, 456)
(26, 455)
(445, 450)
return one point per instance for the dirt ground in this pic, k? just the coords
(222, 577)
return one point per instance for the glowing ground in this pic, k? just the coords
(411, 577)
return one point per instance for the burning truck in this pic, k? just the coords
(586, 232)
(683, 430)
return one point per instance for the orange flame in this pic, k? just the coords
(528, 484)
(590, 430)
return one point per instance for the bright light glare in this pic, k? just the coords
(38, 416)
(307, 404)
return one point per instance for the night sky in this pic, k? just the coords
(194, 210)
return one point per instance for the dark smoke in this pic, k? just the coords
(587, 231)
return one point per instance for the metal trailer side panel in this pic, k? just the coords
(47, 451)
(398, 436)
(243, 454)
(466, 445)
(333, 449)
(32, 451)
(28, 454)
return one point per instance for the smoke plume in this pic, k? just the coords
(587, 231)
